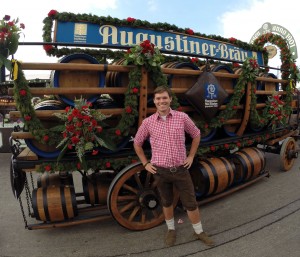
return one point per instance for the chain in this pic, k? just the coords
(23, 212)
(28, 198)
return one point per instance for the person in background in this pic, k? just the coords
(169, 162)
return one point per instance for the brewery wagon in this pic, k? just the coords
(64, 175)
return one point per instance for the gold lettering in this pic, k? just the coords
(169, 43)
(212, 50)
(109, 32)
(195, 47)
(126, 38)
(140, 37)
(224, 51)
(205, 48)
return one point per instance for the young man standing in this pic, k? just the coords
(169, 163)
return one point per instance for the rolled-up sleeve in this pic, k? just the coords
(142, 134)
(191, 128)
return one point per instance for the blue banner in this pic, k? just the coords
(168, 42)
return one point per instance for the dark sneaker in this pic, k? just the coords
(170, 238)
(205, 239)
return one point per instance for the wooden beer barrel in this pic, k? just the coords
(266, 86)
(95, 188)
(181, 81)
(43, 150)
(249, 162)
(55, 179)
(75, 78)
(212, 176)
(54, 203)
(226, 83)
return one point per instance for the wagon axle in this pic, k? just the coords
(149, 199)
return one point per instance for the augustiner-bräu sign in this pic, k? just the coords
(168, 42)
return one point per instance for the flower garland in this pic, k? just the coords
(288, 66)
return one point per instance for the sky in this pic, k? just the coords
(230, 18)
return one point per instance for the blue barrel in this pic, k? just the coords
(226, 83)
(181, 81)
(40, 149)
(75, 78)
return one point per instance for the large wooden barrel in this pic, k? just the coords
(226, 83)
(266, 86)
(181, 81)
(212, 176)
(231, 129)
(43, 150)
(95, 188)
(54, 203)
(55, 179)
(117, 79)
(76, 78)
(249, 163)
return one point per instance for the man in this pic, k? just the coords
(166, 130)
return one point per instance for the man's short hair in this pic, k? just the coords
(161, 89)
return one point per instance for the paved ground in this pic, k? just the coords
(262, 220)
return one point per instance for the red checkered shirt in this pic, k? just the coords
(167, 137)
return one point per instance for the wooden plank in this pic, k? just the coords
(143, 96)
(246, 116)
(27, 155)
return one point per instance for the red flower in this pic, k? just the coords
(47, 48)
(107, 165)
(27, 117)
(179, 108)
(6, 17)
(128, 109)
(22, 25)
(22, 92)
(95, 152)
(130, 19)
(194, 60)
(52, 13)
(75, 140)
(118, 132)
(236, 65)
(47, 168)
(70, 146)
(238, 144)
(232, 40)
(99, 129)
(226, 146)
(46, 138)
(78, 165)
(205, 125)
(135, 90)
(212, 148)
(190, 31)
(129, 51)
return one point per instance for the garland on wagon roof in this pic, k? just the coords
(103, 55)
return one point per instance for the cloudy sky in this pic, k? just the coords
(230, 18)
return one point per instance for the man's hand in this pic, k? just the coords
(188, 162)
(150, 168)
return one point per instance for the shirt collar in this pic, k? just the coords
(171, 113)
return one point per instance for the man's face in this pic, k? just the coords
(162, 102)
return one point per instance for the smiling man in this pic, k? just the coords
(169, 163)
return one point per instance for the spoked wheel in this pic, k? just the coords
(133, 199)
(288, 154)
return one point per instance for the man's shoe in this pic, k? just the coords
(170, 238)
(205, 238)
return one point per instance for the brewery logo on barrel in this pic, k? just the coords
(211, 96)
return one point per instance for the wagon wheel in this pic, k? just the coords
(133, 199)
(288, 154)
